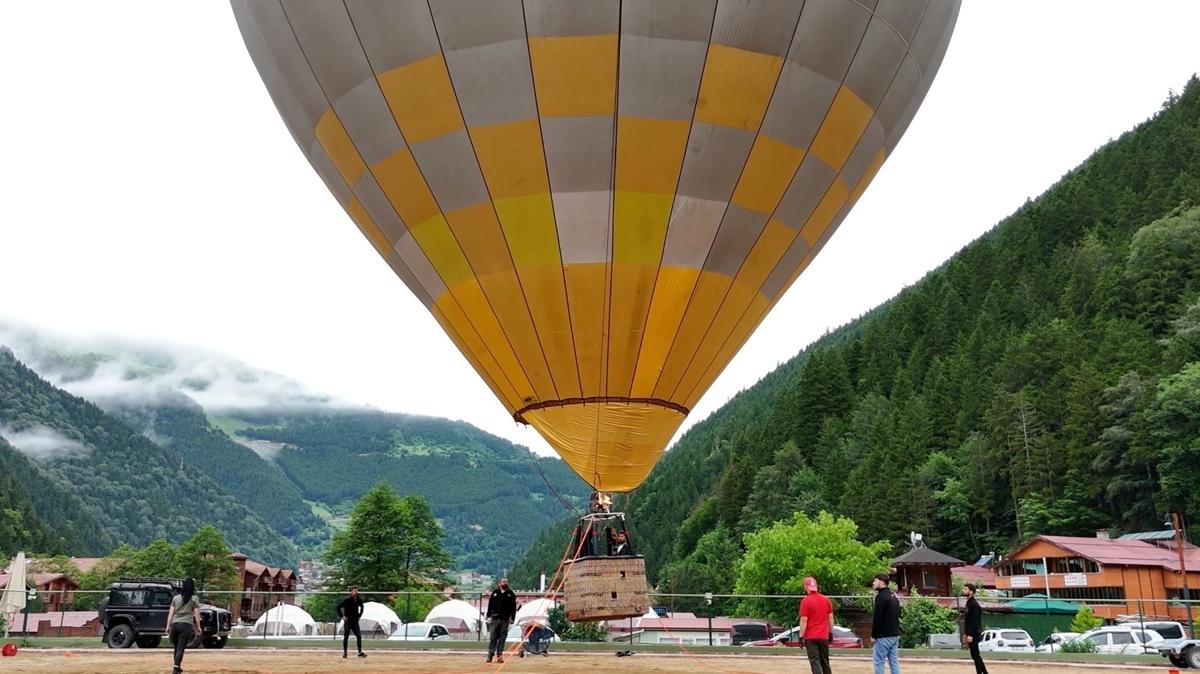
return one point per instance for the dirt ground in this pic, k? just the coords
(324, 662)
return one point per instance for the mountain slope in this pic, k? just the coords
(487, 493)
(298, 459)
(181, 427)
(1029, 384)
(131, 486)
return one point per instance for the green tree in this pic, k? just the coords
(1183, 344)
(779, 557)
(1174, 421)
(55, 564)
(322, 607)
(1164, 266)
(414, 605)
(390, 543)
(159, 559)
(923, 616)
(206, 558)
(1085, 619)
(95, 581)
(710, 567)
(567, 630)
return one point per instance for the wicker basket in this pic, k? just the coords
(605, 588)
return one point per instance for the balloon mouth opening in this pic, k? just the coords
(519, 415)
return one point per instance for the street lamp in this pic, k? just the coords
(1175, 521)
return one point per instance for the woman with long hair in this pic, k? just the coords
(183, 621)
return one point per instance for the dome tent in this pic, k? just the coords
(376, 618)
(455, 615)
(537, 611)
(285, 620)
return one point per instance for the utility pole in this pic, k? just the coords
(1177, 523)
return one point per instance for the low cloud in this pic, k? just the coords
(121, 372)
(41, 442)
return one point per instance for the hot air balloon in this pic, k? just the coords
(598, 200)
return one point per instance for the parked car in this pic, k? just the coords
(135, 612)
(1054, 642)
(741, 634)
(1007, 640)
(1123, 640)
(1183, 653)
(1167, 629)
(842, 638)
(421, 632)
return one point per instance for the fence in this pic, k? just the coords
(694, 619)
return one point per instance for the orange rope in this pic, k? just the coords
(555, 584)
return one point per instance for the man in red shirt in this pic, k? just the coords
(816, 626)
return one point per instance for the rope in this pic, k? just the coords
(562, 501)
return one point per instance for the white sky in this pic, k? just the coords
(148, 189)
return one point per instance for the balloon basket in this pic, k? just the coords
(606, 588)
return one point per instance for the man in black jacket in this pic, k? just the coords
(350, 610)
(885, 626)
(501, 611)
(973, 627)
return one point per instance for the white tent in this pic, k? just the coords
(536, 611)
(285, 620)
(14, 597)
(376, 617)
(455, 615)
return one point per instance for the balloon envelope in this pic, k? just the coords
(598, 200)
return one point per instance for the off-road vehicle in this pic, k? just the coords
(135, 612)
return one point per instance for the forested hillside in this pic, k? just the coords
(486, 492)
(92, 481)
(299, 459)
(1044, 379)
(180, 425)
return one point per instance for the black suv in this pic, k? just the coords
(135, 611)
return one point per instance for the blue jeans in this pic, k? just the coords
(887, 648)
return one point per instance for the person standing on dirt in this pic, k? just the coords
(501, 611)
(973, 627)
(816, 626)
(183, 621)
(350, 610)
(885, 626)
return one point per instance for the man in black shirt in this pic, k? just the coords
(885, 626)
(973, 627)
(350, 610)
(501, 611)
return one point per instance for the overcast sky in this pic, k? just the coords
(148, 189)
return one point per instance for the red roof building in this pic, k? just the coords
(262, 587)
(981, 576)
(1117, 577)
(54, 589)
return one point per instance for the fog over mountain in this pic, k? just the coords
(108, 370)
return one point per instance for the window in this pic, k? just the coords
(929, 578)
(128, 598)
(1073, 565)
(1107, 593)
(1014, 635)
(1167, 630)
(1099, 639)
(1121, 638)
(161, 598)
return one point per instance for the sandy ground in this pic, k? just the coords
(324, 662)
